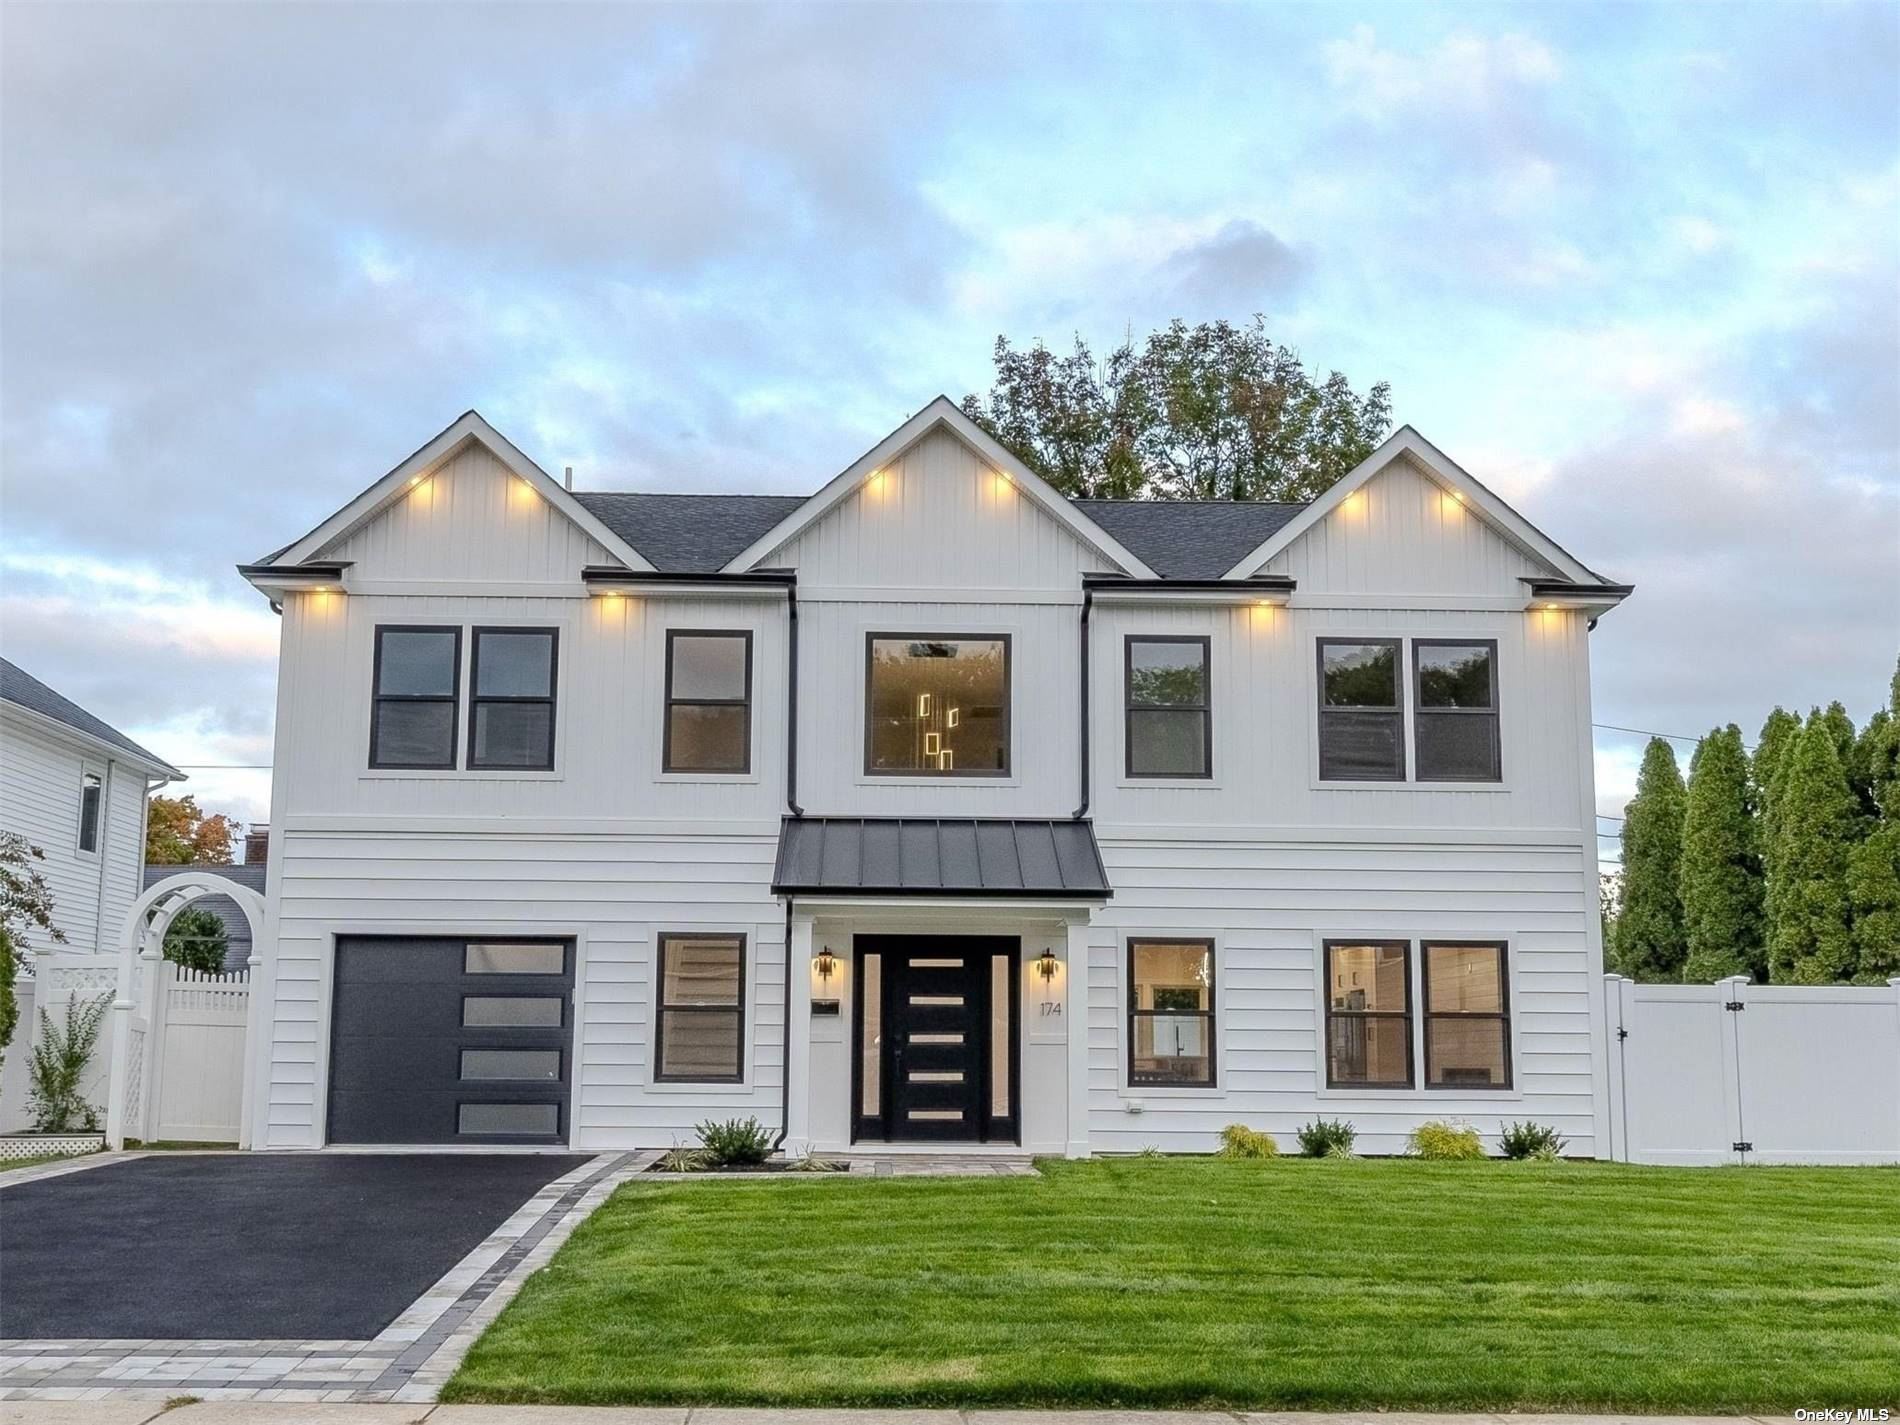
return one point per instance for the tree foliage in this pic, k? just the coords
(1649, 931)
(26, 901)
(9, 997)
(178, 833)
(1873, 894)
(197, 940)
(1721, 877)
(1212, 411)
(1809, 940)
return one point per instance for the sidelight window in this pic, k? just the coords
(937, 707)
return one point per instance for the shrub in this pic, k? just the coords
(736, 1143)
(1237, 1140)
(681, 1160)
(196, 940)
(59, 1063)
(1327, 1138)
(811, 1164)
(1531, 1140)
(1449, 1142)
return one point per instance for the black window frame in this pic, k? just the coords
(1420, 713)
(92, 799)
(670, 702)
(871, 641)
(1407, 1015)
(377, 697)
(1397, 710)
(1502, 1014)
(1210, 1014)
(1130, 707)
(661, 1008)
(476, 699)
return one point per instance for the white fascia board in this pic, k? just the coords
(431, 457)
(1447, 473)
(91, 746)
(941, 412)
(1241, 596)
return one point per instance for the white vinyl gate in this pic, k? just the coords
(1735, 1072)
(197, 1074)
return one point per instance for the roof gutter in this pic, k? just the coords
(608, 580)
(1088, 607)
(1259, 589)
(1593, 599)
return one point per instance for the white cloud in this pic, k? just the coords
(1464, 71)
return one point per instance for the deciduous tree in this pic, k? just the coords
(1649, 933)
(177, 833)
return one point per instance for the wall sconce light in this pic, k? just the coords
(826, 964)
(1046, 964)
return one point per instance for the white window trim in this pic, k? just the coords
(91, 769)
(1506, 675)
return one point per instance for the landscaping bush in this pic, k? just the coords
(196, 940)
(1531, 1140)
(1327, 1138)
(682, 1160)
(736, 1143)
(1237, 1140)
(59, 1062)
(1445, 1142)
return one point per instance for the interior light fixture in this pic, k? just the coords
(923, 705)
(933, 744)
(952, 717)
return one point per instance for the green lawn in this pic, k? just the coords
(1190, 1282)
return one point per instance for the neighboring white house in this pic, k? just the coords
(1072, 825)
(76, 788)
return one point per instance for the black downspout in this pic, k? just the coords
(1088, 604)
(785, 1062)
(791, 706)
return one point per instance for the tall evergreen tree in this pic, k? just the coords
(1873, 893)
(1771, 750)
(1809, 940)
(1721, 874)
(1649, 939)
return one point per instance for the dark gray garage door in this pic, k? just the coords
(451, 1041)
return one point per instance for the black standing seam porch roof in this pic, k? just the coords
(939, 856)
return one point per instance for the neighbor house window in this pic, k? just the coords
(1361, 719)
(701, 1036)
(90, 791)
(1168, 718)
(1455, 710)
(708, 702)
(937, 707)
(413, 697)
(1368, 1014)
(1467, 1016)
(1171, 1012)
(511, 699)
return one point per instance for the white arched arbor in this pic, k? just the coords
(141, 951)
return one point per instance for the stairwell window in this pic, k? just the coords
(1368, 1014)
(701, 1031)
(91, 790)
(937, 706)
(511, 702)
(708, 701)
(1455, 709)
(413, 696)
(1169, 717)
(1467, 1015)
(1361, 715)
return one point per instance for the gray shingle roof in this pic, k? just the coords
(862, 855)
(237, 930)
(21, 688)
(688, 534)
(1189, 539)
(697, 534)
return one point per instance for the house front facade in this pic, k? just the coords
(932, 809)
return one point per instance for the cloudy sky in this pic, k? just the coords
(1636, 268)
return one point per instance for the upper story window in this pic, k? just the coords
(1455, 710)
(1361, 717)
(511, 701)
(1169, 718)
(937, 707)
(91, 791)
(413, 697)
(1171, 1012)
(708, 701)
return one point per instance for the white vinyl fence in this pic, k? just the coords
(196, 1079)
(1740, 1073)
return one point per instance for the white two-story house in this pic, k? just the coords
(934, 808)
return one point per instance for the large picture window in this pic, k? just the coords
(1368, 1014)
(701, 1036)
(708, 701)
(937, 706)
(1171, 1012)
(413, 696)
(1361, 717)
(1455, 710)
(1169, 717)
(1467, 1015)
(511, 706)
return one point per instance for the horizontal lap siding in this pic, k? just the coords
(619, 892)
(1269, 905)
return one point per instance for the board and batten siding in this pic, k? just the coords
(41, 774)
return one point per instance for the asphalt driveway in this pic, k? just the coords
(248, 1246)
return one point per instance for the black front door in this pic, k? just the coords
(936, 1032)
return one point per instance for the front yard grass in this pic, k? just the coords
(1202, 1282)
